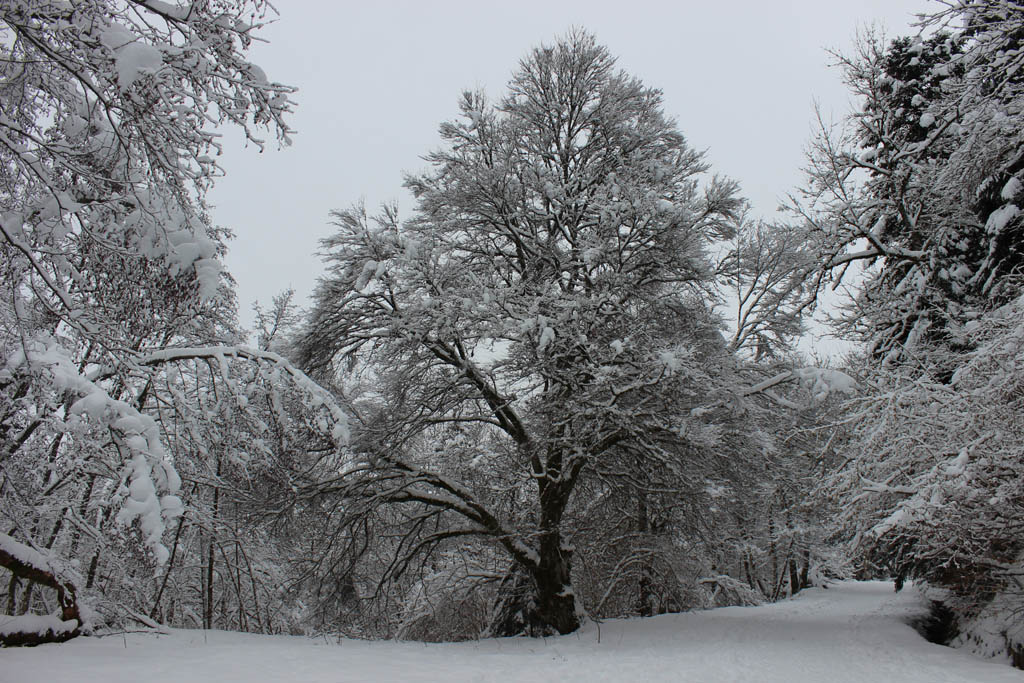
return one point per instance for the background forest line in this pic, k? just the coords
(564, 387)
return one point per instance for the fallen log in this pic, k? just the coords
(27, 563)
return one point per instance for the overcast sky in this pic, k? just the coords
(376, 78)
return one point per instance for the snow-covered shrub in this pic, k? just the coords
(451, 602)
(934, 487)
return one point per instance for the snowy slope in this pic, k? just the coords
(851, 632)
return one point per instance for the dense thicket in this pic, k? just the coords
(115, 414)
(923, 186)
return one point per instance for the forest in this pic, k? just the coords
(565, 388)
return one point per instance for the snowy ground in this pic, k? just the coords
(851, 632)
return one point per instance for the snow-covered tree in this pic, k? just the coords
(767, 271)
(920, 186)
(930, 478)
(924, 188)
(113, 289)
(542, 317)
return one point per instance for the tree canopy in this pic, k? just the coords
(549, 294)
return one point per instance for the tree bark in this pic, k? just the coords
(208, 616)
(536, 602)
(794, 577)
(539, 600)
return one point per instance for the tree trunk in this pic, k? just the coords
(208, 616)
(536, 602)
(773, 551)
(645, 597)
(805, 569)
(794, 577)
(167, 571)
(539, 600)
(556, 601)
(557, 610)
(12, 593)
(95, 562)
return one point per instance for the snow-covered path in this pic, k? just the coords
(851, 632)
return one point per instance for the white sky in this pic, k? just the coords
(376, 78)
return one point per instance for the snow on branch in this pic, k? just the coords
(318, 397)
(149, 484)
(820, 382)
